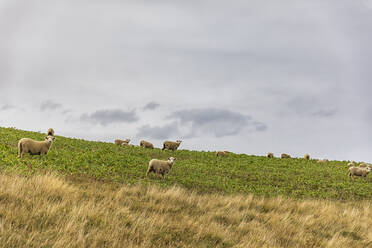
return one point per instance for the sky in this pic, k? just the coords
(291, 76)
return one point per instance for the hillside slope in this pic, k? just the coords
(53, 211)
(199, 171)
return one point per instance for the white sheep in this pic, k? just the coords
(221, 153)
(284, 155)
(160, 166)
(146, 144)
(171, 145)
(364, 165)
(270, 155)
(121, 142)
(307, 156)
(359, 171)
(26, 145)
(50, 132)
(351, 164)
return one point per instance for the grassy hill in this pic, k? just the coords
(95, 194)
(50, 211)
(202, 171)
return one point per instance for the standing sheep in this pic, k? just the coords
(120, 142)
(359, 171)
(171, 145)
(26, 145)
(160, 166)
(307, 156)
(284, 155)
(270, 155)
(146, 144)
(221, 153)
(50, 132)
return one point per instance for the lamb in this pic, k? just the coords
(170, 145)
(284, 155)
(270, 155)
(307, 156)
(26, 145)
(160, 166)
(50, 132)
(146, 144)
(221, 153)
(359, 171)
(120, 142)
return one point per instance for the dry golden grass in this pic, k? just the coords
(51, 211)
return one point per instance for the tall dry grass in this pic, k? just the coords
(50, 211)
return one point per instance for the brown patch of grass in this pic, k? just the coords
(51, 211)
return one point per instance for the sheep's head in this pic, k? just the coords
(49, 138)
(368, 169)
(127, 140)
(171, 159)
(179, 141)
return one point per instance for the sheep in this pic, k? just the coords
(50, 132)
(307, 156)
(120, 142)
(364, 165)
(270, 155)
(359, 171)
(26, 145)
(170, 145)
(323, 160)
(160, 166)
(351, 164)
(284, 155)
(221, 153)
(146, 144)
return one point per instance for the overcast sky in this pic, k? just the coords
(246, 76)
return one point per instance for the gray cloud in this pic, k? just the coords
(7, 107)
(50, 105)
(308, 106)
(218, 122)
(105, 117)
(151, 106)
(325, 113)
(159, 132)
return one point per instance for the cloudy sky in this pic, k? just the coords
(247, 76)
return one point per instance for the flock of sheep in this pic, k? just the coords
(162, 167)
(360, 170)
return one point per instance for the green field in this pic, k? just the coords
(199, 171)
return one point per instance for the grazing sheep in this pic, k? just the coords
(120, 142)
(359, 171)
(50, 132)
(160, 166)
(307, 156)
(351, 164)
(270, 155)
(146, 144)
(221, 153)
(323, 160)
(284, 155)
(26, 145)
(364, 165)
(170, 145)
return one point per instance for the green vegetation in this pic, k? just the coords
(199, 171)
